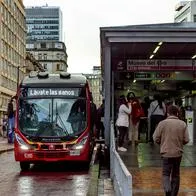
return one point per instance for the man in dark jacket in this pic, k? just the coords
(100, 121)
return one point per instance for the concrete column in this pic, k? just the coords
(107, 90)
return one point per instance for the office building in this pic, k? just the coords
(50, 54)
(43, 23)
(185, 11)
(12, 49)
(95, 83)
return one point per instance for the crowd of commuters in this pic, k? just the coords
(135, 117)
(168, 128)
(129, 114)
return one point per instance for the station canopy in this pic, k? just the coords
(171, 41)
(167, 47)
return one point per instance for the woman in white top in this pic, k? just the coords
(123, 122)
(156, 113)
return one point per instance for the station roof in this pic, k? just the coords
(178, 41)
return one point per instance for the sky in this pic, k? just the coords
(82, 20)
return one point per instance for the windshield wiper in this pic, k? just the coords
(58, 117)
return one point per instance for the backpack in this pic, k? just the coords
(137, 110)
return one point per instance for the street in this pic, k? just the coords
(43, 179)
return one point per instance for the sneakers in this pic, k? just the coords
(122, 149)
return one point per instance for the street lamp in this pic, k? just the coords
(18, 73)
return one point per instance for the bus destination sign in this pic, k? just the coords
(53, 92)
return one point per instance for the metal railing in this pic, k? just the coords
(122, 179)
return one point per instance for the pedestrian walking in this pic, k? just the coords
(171, 134)
(100, 121)
(143, 126)
(10, 113)
(156, 113)
(122, 122)
(5, 124)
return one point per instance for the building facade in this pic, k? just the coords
(51, 55)
(185, 11)
(31, 64)
(12, 49)
(43, 23)
(95, 82)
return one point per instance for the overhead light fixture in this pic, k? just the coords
(160, 43)
(151, 56)
(194, 56)
(156, 49)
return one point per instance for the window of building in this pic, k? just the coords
(43, 45)
(194, 18)
(45, 66)
(58, 67)
(58, 56)
(45, 56)
(39, 56)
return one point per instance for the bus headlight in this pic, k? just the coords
(81, 144)
(21, 142)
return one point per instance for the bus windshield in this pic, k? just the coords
(52, 117)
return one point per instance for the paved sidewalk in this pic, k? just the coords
(105, 185)
(144, 163)
(4, 146)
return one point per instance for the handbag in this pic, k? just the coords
(154, 109)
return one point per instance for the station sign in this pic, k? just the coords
(155, 75)
(160, 64)
(161, 75)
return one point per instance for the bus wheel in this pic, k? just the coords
(24, 166)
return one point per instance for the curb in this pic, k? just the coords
(94, 173)
(6, 150)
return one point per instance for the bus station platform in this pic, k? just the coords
(145, 165)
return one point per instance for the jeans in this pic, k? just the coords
(11, 130)
(122, 133)
(171, 175)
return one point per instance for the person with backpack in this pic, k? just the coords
(156, 113)
(134, 119)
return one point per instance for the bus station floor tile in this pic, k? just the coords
(145, 165)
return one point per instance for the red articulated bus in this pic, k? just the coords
(53, 119)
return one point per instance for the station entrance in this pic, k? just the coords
(172, 86)
(147, 60)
